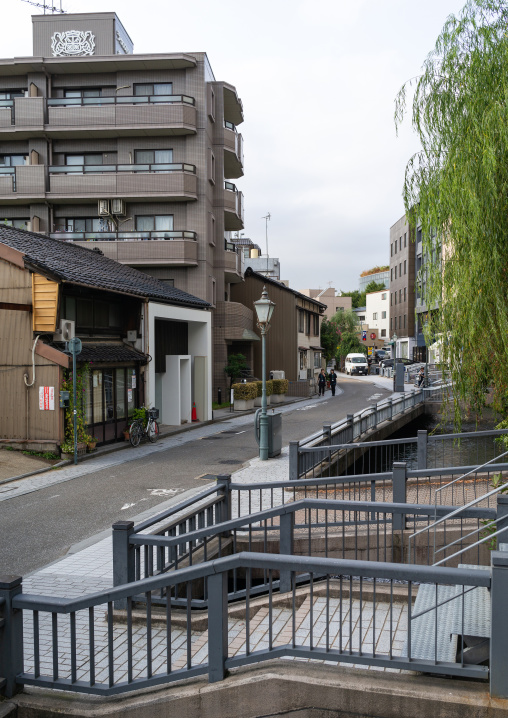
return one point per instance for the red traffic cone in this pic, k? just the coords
(194, 415)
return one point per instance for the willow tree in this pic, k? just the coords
(456, 189)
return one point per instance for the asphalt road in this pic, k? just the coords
(40, 527)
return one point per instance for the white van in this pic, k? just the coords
(357, 364)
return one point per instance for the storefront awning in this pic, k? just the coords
(317, 349)
(303, 349)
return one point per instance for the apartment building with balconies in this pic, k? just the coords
(402, 288)
(137, 154)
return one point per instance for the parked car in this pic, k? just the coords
(389, 362)
(380, 354)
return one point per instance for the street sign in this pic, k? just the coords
(74, 346)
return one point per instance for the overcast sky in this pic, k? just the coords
(318, 82)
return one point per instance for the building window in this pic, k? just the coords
(317, 360)
(374, 316)
(13, 160)
(307, 323)
(405, 315)
(157, 223)
(383, 296)
(391, 250)
(303, 360)
(361, 318)
(400, 269)
(153, 157)
(395, 272)
(81, 224)
(405, 239)
(301, 321)
(395, 298)
(395, 323)
(157, 88)
(391, 325)
(400, 243)
(400, 296)
(391, 274)
(405, 266)
(11, 94)
(316, 325)
(404, 293)
(383, 315)
(383, 332)
(391, 299)
(84, 92)
(16, 223)
(90, 158)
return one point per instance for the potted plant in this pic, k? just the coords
(280, 387)
(244, 395)
(91, 443)
(67, 451)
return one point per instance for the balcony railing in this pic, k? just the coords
(102, 169)
(118, 100)
(122, 236)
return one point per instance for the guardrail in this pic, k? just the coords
(75, 644)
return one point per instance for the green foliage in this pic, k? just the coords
(82, 381)
(280, 386)
(357, 297)
(330, 337)
(41, 454)
(490, 528)
(374, 287)
(245, 391)
(141, 414)
(224, 405)
(456, 190)
(67, 447)
(235, 368)
(269, 387)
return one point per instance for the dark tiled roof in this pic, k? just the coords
(106, 352)
(68, 262)
(249, 272)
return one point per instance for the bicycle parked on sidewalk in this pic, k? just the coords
(138, 431)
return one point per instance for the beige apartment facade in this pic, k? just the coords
(330, 299)
(135, 155)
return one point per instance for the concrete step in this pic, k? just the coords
(8, 710)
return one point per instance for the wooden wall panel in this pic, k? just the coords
(15, 284)
(17, 397)
(45, 303)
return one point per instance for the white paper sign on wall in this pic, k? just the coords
(47, 398)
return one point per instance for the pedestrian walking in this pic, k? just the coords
(333, 381)
(421, 376)
(322, 382)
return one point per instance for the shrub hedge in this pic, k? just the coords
(280, 386)
(245, 391)
(269, 388)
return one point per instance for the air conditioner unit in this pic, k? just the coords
(65, 332)
(277, 374)
(132, 335)
(117, 206)
(103, 208)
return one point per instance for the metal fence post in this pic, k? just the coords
(223, 482)
(374, 410)
(11, 636)
(390, 407)
(327, 434)
(123, 558)
(399, 493)
(421, 449)
(499, 630)
(217, 626)
(287, 523)
(350, 418)
(293, 460)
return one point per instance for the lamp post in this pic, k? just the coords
(264, 310)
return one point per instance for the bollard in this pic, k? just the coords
(11, 636)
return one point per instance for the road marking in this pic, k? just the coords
(312, 406)
(374, 396)
(126, 506)
(163, 492)
(241, 432)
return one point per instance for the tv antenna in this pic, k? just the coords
(266, 218)
(52, 8)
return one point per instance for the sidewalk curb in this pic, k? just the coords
(126, 445)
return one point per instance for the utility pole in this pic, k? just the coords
(266, 218)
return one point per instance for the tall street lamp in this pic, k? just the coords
(264, 310)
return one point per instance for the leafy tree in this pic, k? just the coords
(358, 298)
(347, 325)
(374, 287)
(456, 189)
(236, 368)
(330, 337)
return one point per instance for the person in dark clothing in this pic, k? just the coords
(333, 381)
(421, 376)
(322, 382)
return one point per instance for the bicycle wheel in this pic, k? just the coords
(135, 433)
(153, 431)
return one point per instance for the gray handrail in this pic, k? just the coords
(474, 470)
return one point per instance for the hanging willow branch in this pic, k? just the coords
(456, 188)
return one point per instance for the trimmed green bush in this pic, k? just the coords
(280, 386)
(269, 388)
(259, 385)
(245, 391)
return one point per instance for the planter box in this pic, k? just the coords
(278, 398)
(257, 400)
(244, 404)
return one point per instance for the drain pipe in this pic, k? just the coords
(25, 378)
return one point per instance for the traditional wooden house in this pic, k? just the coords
(143, 341)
